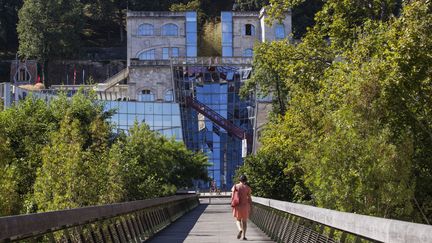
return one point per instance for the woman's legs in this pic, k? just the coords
(239, 224)
(244, 227)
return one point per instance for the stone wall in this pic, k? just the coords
(157, 79)
(268, 32)
(241, 42)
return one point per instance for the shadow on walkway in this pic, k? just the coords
(179, 230)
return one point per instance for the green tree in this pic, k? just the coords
(25, 129)
(8, 184)
(153, 166)
(357, 122)
(49, 29)
(249, 5)
(8, 19)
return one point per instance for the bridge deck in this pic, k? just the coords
(208, 223)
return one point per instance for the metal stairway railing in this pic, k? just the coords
(218, 119)
(110, 82)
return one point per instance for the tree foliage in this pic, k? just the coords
(65, 155)
(49, 28)
(356, 130)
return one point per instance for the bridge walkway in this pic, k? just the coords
(210, 223)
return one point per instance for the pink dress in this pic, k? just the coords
(243, 209)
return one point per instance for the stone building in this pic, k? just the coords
(242, 30)
(153, 39)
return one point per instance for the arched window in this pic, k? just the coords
(148, 55)
(146, 95)
(249, 30)
(169, 96)
(145, 30)
(248, 52)
(170, 30)
(280, 31)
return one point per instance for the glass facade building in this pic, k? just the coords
(214, 89)
(163, 117)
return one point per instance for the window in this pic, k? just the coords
(249, 30)
(169, 96)
(170, 30)
(147, 55)
(145, 30)
(174, 52)
(248, 52)
(146, 95)
(165, 53)
(280, 31)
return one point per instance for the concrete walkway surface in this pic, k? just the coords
(208, 223)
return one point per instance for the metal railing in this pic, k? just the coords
(195, 61)
(290, 222)
(110, 82)
(124, 222)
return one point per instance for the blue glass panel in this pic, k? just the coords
(191, 16)
(227, 27)
(166, 108)
(149, 119)
(176, 109)
(227, 40)
(149, 108)
(131, 119)
(191, 38)
(158, 108)
(227, 51)
(140, 108)
(226, 16)
(191, 51)
(123, 107)
(166, 121)
(176, 121)
(131, 107)
(191, 27)
(123, 119)
(158, 120)
(140, 118)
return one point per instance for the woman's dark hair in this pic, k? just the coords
(243, 178)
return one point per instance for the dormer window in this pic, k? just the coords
(145, 30)
(249, 30)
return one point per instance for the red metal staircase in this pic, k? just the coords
(218, 119)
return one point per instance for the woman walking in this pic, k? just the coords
(241, 209)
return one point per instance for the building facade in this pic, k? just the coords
(194, 99)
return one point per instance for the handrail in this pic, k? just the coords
(195, 61)
(218, 119)
(33, 225)
(366, 227)
(111, 81)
